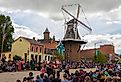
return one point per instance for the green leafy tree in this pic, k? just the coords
(100, 58)
(16, 57)
(6, 32)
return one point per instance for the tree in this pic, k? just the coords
(6, 32)
(100, 58)
(16, 57)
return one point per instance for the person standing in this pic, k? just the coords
(19, 65)
(38, 79)
(43, 70)
(65, 78)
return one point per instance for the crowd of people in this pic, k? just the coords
(18, 65)
(51, 72)
(102, 73)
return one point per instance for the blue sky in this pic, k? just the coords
(30, 19)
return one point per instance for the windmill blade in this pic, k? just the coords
(84, 25)
(77, 16)
(87, 27)
(78, 11)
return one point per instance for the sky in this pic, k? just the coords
(31, 17)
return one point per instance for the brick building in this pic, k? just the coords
(28, 49)
(49, 43)
(106, 49)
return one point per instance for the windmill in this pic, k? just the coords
(72, 41)
(75, 20)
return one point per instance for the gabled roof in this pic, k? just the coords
(32, 41)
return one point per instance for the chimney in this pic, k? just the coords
(38, 40)
(33, 38)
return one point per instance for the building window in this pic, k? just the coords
(9, 55)
(32, 56)
(39, 58)
(25, 57)
(40, 49)
(49, 51)
(32, 49)
(45, 50)
(45, 57)
(51, 58)
(48, 58)
(36, 56)
(36, 49)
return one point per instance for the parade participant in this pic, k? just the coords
(49, 70)
(19, 65)
(67, 71)
(46, 78)
(32, 64)
(43, 70)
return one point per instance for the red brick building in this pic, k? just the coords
(104, 49)
(49, 43)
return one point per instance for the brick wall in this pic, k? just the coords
(104, 49)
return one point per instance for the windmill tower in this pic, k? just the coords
(72, 40)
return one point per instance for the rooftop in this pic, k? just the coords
(46, 30)
(32, 41)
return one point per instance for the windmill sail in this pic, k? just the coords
(77, 21)
(71, 32)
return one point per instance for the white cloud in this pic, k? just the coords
(24, 31)
(104, 39)
(32, 17)
(53, 6)
(92, 39)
